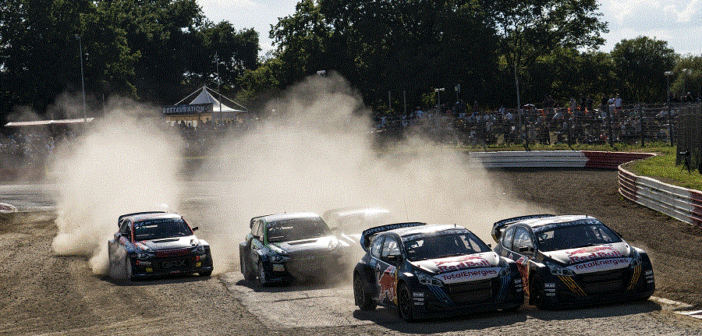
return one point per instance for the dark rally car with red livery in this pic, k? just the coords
(573, 260)
(156, 243)
(433, 270)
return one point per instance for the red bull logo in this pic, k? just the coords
(460, 263)
(388, 284)
(595, 252)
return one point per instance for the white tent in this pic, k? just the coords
(206, 97)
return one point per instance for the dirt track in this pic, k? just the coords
(45, 294)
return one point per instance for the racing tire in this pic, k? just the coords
(262, 278)
(537, 293)
(246, 269)
(128, 269)
(404, 303)
(362, 297)
(205, 274)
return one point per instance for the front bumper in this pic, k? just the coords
(600, 288)
(160, 266)
(307, 267)
(504, 293)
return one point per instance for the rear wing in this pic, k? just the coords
(367, 235)
(500, 226)
(119, 219)
(251, 222)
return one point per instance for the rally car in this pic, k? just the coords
(433, 270)
(348, 223)
(573, 260)
(156, 243)
(297, 246)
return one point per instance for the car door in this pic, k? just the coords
(523, 251)
(386, 270)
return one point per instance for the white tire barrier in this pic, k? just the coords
(553, 159)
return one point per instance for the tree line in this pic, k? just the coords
(395, 53)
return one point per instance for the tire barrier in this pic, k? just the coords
(680, 203)
(554, 159)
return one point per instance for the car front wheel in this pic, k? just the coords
(404, 303)
(246, 269)
(262, 279)
(128, 269)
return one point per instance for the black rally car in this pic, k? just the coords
(433, 270)
(573, 260)
(156, 243)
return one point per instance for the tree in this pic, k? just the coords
(640, 65)
(530, 29)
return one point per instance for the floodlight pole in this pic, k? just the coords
(670, 119)
(82, 77)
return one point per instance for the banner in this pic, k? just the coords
(187, 109)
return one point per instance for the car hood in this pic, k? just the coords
(463, 268)
(168, 243)
(307, 245)
(593, 258)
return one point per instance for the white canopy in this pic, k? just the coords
(205, 97)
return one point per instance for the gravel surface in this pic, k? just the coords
(45, 294)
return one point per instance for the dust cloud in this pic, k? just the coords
(316, 153)
(124, 163)
(319, 154)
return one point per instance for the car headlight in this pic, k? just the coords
(199, 249)
(558, 270)
(277, 258)
(426, 279)
(143, 255)
(505, 271)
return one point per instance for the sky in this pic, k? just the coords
(679, 22)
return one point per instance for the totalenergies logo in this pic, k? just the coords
(594, 252)
(461, 263)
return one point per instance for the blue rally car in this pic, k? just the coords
(573, 260)
(156, 243)
(433, 270)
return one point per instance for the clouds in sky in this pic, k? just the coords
(679, 22)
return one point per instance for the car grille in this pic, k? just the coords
(472, 292)
(172, 252)
(172, 263)
(605, 282)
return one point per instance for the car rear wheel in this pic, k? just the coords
(404, 303)
(262, 279)
(362, 297)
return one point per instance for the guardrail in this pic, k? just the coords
(680, 203)
(553, 159)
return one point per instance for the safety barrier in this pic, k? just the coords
(680, 203)
(554, 159)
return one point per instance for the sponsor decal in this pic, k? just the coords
(469, 275)
(388, 284)
(600, 265)
(464, 262)
(523, 267)
(173, 264)
(594, 252)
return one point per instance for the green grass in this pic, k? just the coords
(663, 168)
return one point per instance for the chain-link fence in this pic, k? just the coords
(689, 137)
(633, 124)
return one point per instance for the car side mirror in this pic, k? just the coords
(195, 228)
(526, 249)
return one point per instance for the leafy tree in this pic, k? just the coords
(640, 65)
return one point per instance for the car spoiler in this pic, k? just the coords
(119, 219)
(366, 235)
(255, 218)
(499, 226)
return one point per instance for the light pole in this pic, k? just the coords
(670, 124)
(438, 95)
(82, 77)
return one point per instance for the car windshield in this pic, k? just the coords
(161, 228)
(443, 245)
(296, 229)
(563, 237)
